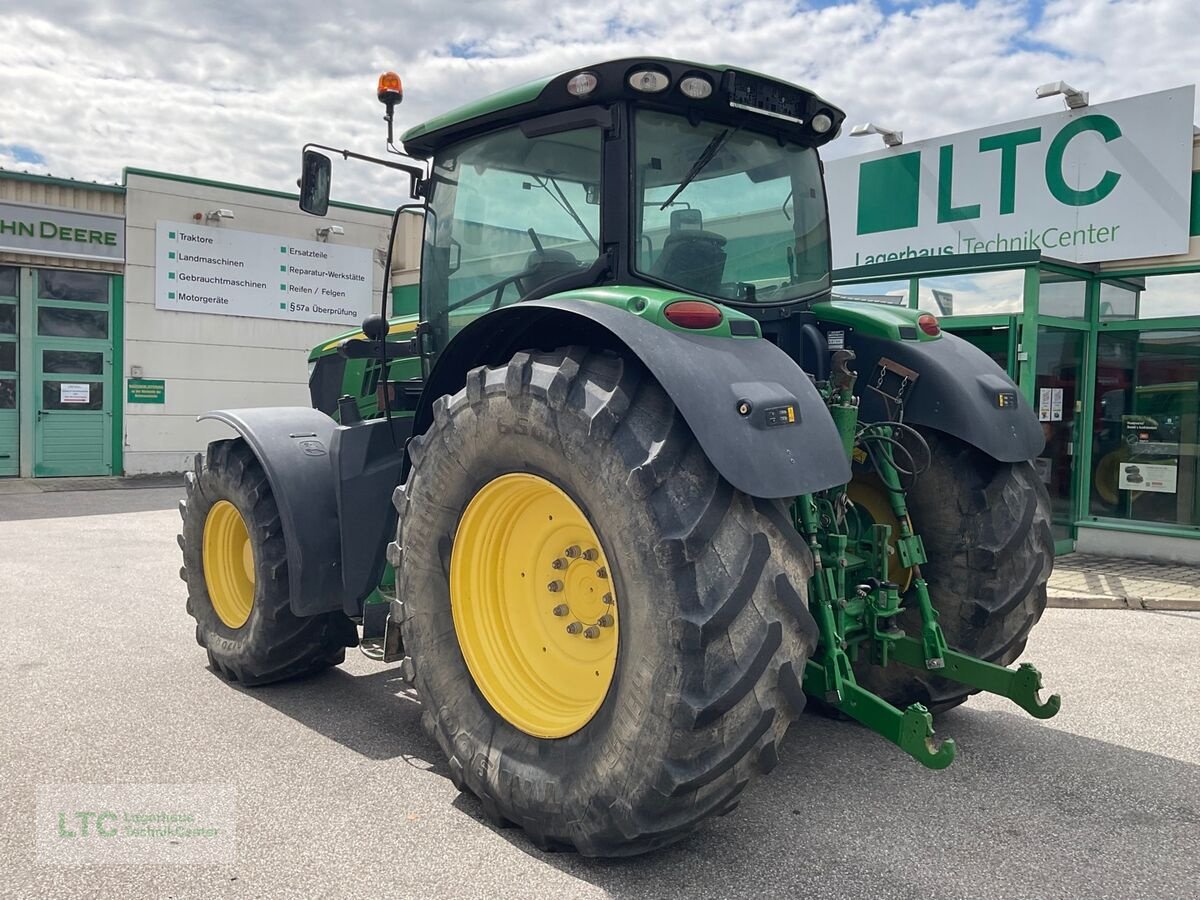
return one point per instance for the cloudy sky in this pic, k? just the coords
(231, 90)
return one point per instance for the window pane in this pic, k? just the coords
(749, 227)
(1062, 297)
(1144, 453)
(1171, 295)
(8, 281)
(888, 293)
(8, 318)
(72, 362)
(511, 215)
(985, 293)
(8, 356)
(1117, 302)
(72, 395)
(8, 393)
(76, 323)
(62, 284)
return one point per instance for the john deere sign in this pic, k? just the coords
(61, 232)
(1111, 181)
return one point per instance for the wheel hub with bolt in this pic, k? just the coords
(534, 605)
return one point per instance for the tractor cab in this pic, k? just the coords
(697, 179)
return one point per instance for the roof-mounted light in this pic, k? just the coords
(389, 89)
(649, 81)
(821, 122)
(696, 87)
(582, 84)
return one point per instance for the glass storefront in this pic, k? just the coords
(1145, 432)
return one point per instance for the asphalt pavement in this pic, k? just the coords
(340, 794)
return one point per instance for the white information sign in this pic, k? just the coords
(221, 271)
(1105, 182)
(1154, 477)
(1050, 404)
(75, 393)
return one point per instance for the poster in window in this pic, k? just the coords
(1155, 477)
(74, 393)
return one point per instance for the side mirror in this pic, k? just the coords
(314, 183)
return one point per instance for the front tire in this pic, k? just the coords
(235, 566)
(711, 623)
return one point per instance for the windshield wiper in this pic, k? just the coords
(560, 197)
(705, 157)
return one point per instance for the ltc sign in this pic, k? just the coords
(1104, 182)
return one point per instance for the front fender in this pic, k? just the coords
(764, 453)
(960, 390)
(333, 487)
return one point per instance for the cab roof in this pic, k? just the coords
(768, 103)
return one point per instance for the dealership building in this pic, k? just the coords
(127, 310)
(1066, 246)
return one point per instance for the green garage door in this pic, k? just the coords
(10, 418)
(72, 402)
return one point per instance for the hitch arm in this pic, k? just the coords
(1022, 686)
(911, 730)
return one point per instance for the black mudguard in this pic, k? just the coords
(959, 390)
(761, 453)
(333, 486)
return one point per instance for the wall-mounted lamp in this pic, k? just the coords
(215, 215)
(324, 233)
(890, 136)
(1076, 99)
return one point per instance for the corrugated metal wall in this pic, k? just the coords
(37, 193)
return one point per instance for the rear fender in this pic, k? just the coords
(761, 453)
(959, 390)
(333, 487)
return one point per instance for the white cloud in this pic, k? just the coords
(231, 92)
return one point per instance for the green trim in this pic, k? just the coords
(1063, 547)
(953, 323)
(506, 99)
(1027, 341)
(118, 374)
(406, 299)
(1194, 224)
(938, 265)
(1146, 271)
(1192, 532)
(62, 182)
(243, 188)
(1169, 323)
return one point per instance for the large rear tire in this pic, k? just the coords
(711, 628)
(235, 566)
(986, 529)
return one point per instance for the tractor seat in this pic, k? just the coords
(693, 259)
(545, 266)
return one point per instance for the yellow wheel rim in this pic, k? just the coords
(228, 564)
(534, 605)
(873, 508)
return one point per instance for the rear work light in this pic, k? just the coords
(929, 324)
(693, 314)
(649, 81)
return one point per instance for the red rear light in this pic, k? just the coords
(929, 324)
(693, 314)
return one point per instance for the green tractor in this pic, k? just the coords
(631, 486)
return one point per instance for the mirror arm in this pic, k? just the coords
(418, 175)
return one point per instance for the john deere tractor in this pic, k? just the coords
(632, 486)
